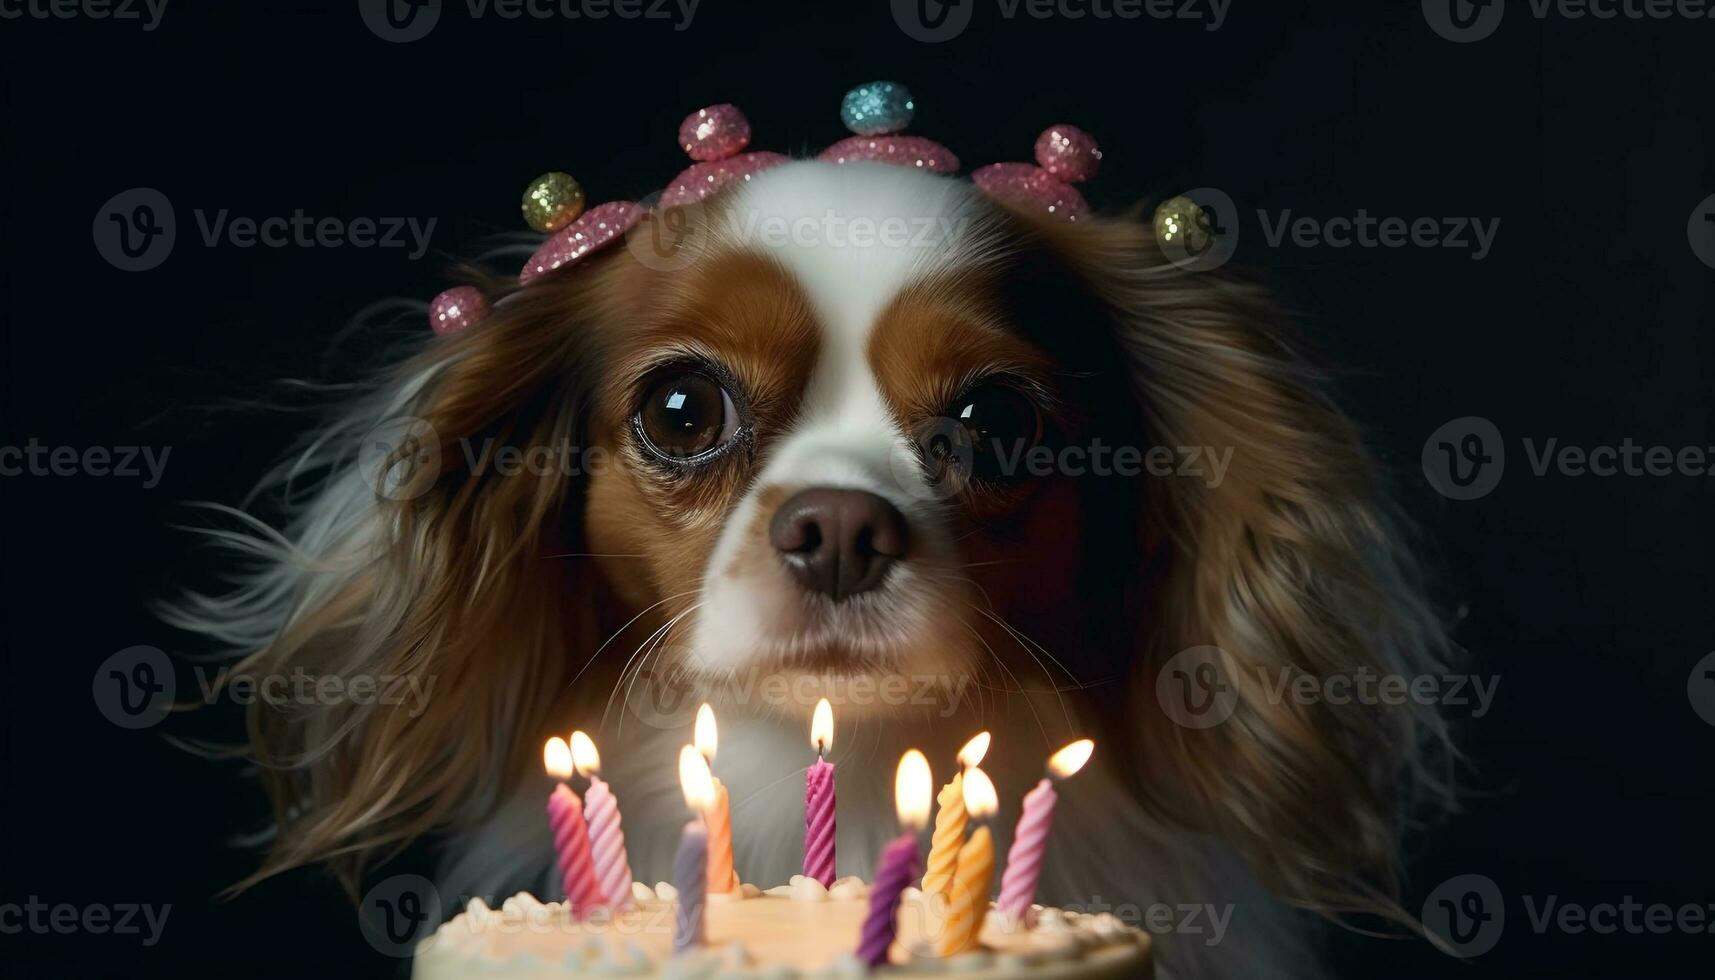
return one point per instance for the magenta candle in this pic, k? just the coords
(819, 800)
(819, 822)
(572, 845)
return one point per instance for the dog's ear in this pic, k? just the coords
(425, 571)
(1279, 553)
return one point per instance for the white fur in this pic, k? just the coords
(811, 217)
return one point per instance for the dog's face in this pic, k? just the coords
(858, 419)
(832, 414)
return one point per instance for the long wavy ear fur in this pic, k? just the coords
(1293, 564)
(437, 578)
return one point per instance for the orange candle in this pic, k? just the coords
(718, 814)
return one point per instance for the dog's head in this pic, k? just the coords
(848, 420)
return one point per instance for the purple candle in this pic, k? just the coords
(899, 864)
(819, 800)
(691, 863)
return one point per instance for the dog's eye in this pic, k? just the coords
(1000, 424)
(686, 416)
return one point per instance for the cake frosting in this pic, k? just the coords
(797, 931)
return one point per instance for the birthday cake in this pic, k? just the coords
(800, 930)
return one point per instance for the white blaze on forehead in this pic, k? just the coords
(852, 236)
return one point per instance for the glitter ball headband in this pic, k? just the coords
(877, 114)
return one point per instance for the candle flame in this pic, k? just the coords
(974, 750)
(557, 758)
(695, 780)
(912, 785)
(706, 739)
(1070, 759)
(981, 800)
(584, 756)
(822, 727)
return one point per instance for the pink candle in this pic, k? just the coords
(607, 838)
(819, 800)
(1030, 839)
(571, 836)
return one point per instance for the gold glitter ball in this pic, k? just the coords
(1182, 227)
(553, 201)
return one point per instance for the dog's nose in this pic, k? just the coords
(838, 542)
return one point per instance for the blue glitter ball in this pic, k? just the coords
(877, 108)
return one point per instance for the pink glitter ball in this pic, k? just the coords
(699, 180)
(903, 151)
(714, 133)
(594, 229)
(1031, 189)
(1068, 153)
(456, 309)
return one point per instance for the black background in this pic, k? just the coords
(1589, 321)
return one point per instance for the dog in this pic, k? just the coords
(991, 472)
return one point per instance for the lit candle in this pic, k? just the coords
(968, 899)
(722, 877)
(911, 784)
(571, 837)
(607, 838)
(949, 833)
(819, 799)
(1030, 839)
(691, 863)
